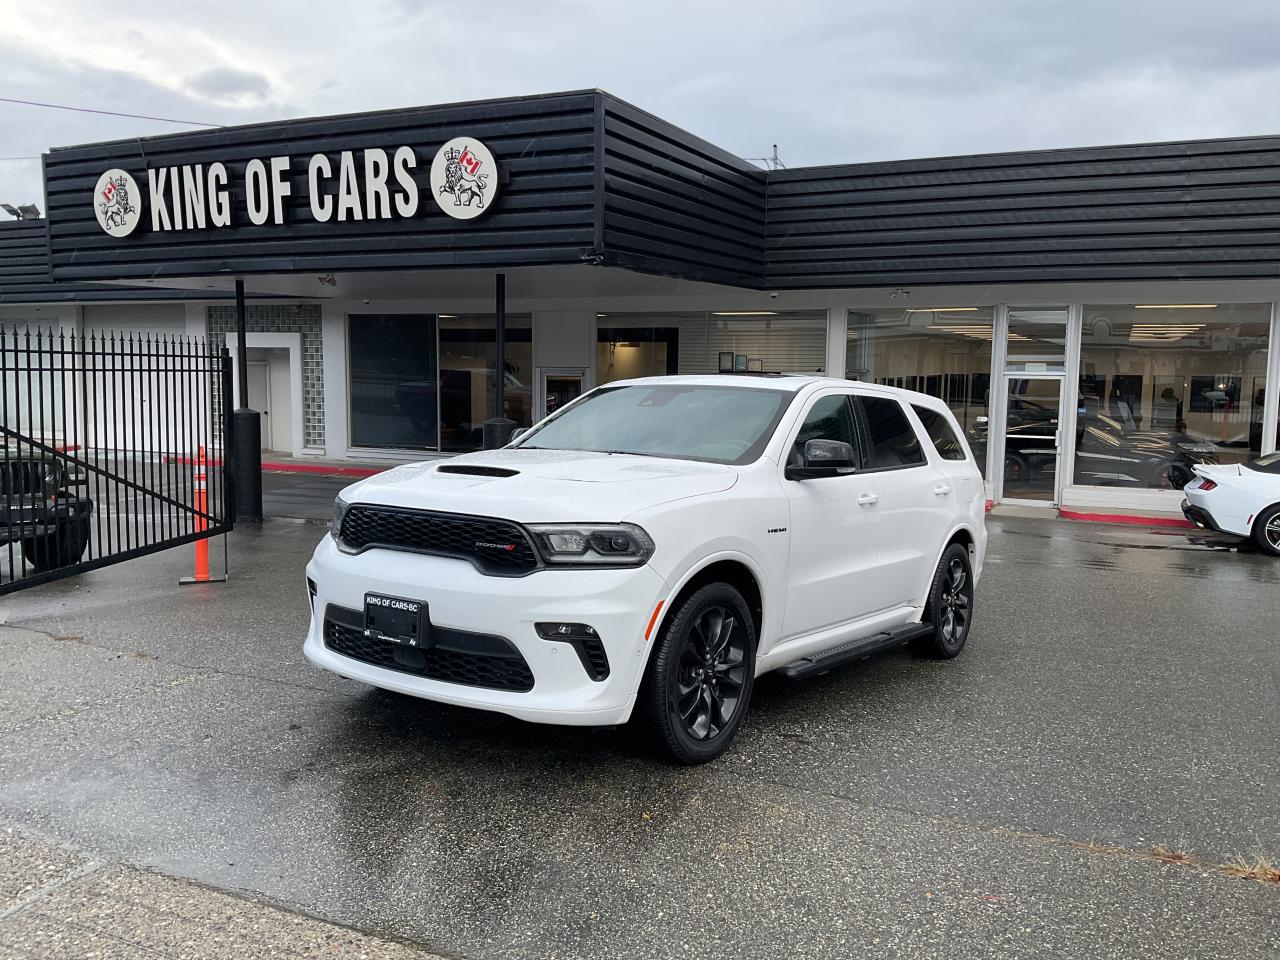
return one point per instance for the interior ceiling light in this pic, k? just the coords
(942, 309)
(744, 313)
(1175, 306)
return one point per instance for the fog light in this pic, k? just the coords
(565, 631)
(311, 593)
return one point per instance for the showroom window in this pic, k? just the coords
(656, 344)
(1166, 386)
(393, 380)
(422, 382)
(467, 370)
(942, 351)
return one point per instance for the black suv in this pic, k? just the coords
(38, 510)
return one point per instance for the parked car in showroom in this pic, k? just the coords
(38, 511)
(651, 548)
(1241, 499)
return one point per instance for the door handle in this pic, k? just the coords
(867, 499)
(942, 489)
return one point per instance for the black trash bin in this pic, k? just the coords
(497, 432)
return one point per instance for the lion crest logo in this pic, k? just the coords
(464, 178)
(116, 203)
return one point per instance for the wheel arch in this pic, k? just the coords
(736, 569)
(963, 535)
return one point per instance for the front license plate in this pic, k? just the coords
(395, 619)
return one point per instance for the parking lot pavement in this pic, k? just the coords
(1119, 696)
(56, 904)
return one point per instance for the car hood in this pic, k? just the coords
(543, 486)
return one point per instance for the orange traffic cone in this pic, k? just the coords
(201, 498)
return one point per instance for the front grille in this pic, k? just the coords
(495, 671)
(497, 547)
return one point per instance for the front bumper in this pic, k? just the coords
(617, 603)
(21, 521)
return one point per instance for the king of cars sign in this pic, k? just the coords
(369, 184)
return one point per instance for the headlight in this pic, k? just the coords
(592, 544)
(340, 508)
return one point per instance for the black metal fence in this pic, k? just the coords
(102, 437)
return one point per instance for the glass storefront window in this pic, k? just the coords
(393, 380)
(657, 344)
(1037, 339)
(422, 382)
(1163, 387)
(944, 352)
(467, 371)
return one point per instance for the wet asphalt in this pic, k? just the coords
(1121, 689)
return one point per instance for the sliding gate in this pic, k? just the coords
(112, 447)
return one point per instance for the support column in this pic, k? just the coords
(246, 435)
(837, 341)
(1271, 398)
(497, 431)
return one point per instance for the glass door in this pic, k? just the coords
(1033, 439)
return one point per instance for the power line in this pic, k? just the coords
(107, 113)
(3, 159)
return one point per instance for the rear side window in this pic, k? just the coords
(893, 441)
(944, 438)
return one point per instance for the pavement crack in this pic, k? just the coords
(1261, 869)
(199, 670)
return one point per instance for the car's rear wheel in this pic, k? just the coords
(698, 685)
(950, 606)
(1266, 530)
(62, 549)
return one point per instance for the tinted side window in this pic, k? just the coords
(944, 438)
(830, 418)
(893, 440)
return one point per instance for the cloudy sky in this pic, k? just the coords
(828, 81)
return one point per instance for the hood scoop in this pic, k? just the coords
(475, 470)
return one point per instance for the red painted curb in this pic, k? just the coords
(328, 470)
(323, 469)
(1126, 518)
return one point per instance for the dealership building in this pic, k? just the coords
(1099, 318)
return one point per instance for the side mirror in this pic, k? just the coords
(516, 434)
(823, 458)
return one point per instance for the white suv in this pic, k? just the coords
(653, 547)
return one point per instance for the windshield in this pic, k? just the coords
(686, 422)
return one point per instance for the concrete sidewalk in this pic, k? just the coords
(56, 903)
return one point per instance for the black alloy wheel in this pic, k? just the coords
(700, 675)
(950, 607)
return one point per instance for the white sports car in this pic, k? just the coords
(1242, 499)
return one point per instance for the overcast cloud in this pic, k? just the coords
(829, 82)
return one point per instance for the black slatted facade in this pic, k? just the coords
(24, 273)
(676, 205)
(1197, 210)
(588, 178)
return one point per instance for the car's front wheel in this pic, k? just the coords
(698, 685)
(950, 606)
(61, 549)
(1266, 530)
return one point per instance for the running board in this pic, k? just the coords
(854, 650)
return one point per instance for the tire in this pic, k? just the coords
(698, 685)
(1266, 530)
(950, 606)
(1016, 468)
(58, 550)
